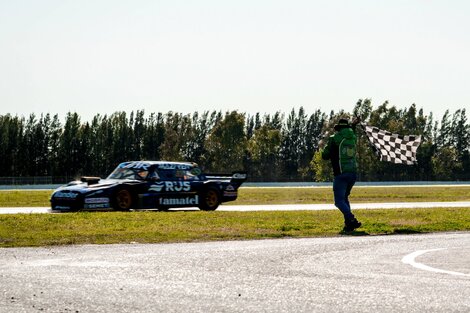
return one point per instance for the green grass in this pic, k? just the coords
(192, 226)
(247, 195)
(358, 195)
(25, 198)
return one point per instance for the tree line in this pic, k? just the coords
(270, 147)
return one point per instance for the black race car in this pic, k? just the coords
(149, 185)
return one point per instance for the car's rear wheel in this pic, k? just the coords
(210, 199)
(123, 200)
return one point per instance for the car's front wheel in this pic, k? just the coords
(210, 199)
(123, 200)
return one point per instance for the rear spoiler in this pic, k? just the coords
(238, 176)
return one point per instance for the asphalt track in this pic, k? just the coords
(287, 207)
(399, 273)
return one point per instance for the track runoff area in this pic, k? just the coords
(426, 272)
(400, 273)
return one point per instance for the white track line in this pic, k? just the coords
(410, 259)
(289, 207)
(354, 206)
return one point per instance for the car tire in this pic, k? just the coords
(210, 199)
(123, 200)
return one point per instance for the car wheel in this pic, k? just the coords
(123, 200)
(210, 199)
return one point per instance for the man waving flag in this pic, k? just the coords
(392, 147)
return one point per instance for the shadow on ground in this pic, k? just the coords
(406, 231)
(354, 233)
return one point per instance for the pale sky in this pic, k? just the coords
(102, 56)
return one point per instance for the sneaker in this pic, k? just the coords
(351, 225)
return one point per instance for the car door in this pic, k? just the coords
(171, 189)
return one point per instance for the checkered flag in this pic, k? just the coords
(392, 147)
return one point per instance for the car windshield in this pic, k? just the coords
(128, 173)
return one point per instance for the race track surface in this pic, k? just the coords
(399, 273)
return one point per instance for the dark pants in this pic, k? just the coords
(342, 186)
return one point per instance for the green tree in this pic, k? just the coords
(139, 133)
(227, 144)
(461, 142)
(153, 137)
(321, 168)
(122, 137)
(264, 148)
(446, 163)
(177, 130)
(293, 144)
(444, 138)
(363, 109)
(86, 160)
(313, 136)
(460, 132)
(11, 135)
(101, 145)
(53, 157)
(69, 146)
(195, 147)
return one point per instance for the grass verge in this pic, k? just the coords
(191, 226)
(248, 196)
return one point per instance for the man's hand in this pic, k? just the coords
(356, 121)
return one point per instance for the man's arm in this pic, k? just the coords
(325, 154)
(356, 121)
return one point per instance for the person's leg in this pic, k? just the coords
(342, 186)
(351, 180)
(341, 189)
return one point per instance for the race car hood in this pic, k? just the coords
(84, 187)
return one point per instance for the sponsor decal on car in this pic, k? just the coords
(135, 165)
(61, 207)
(96, 200)
(65, 195)
(171, 186)
(239, 176)
(230, 191)
(96, 205)
(171, 166)
(179, 201)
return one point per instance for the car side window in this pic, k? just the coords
(190, 175)
(179, 174)
(175, 173)
(165, 174)
(154, 175)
